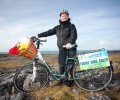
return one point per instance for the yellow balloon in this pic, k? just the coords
(23, 46)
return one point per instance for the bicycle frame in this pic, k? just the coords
(47, 66)
(54, 75)
(39, 56)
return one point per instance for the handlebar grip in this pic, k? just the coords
(43, 40)
(64, 46)
(35, 39)
(72, 46)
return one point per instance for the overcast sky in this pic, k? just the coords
(97, 22)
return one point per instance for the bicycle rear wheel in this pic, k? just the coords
(92, 79)
(23, 78)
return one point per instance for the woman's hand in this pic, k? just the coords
(68, 45)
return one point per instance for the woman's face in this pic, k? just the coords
(64, 17)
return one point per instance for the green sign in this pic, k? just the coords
(94, 60)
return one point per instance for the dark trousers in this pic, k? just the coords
(62, 57)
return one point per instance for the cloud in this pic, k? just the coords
(102, 42)
(108, 44)
(13, 32)
(97, 22)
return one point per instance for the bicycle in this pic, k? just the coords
(35, 75)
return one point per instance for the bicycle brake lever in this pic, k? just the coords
(33, 38)
(41, 43)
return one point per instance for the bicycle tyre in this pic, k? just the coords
(92, 79)
(23, 78)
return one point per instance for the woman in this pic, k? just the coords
(66, 35)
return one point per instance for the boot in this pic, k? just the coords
(61, 70)
(69, 83)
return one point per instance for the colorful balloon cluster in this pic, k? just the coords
(21, 45)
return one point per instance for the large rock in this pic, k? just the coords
(98, 97)
(19, 96)
(115, 83)
(6, 82)
(7, 89)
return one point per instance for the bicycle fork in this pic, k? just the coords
(34, 72)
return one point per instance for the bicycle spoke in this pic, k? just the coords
(92, 79)
(24, 82)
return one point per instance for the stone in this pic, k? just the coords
(48, 98)
(115, 84)
(98, 97)
(5, 98)
(19, 96)
(75, 91)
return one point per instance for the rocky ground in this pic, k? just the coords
(10, 64)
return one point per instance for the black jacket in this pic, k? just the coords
(65, 32)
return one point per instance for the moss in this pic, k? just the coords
(66, 96)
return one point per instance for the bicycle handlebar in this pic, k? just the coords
(37, 39)
(34, 39)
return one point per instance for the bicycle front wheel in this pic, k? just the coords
(23, 79)
(92, 79)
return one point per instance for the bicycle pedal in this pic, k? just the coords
(63, 77)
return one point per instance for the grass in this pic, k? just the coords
(115, 57)
(63, 92)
